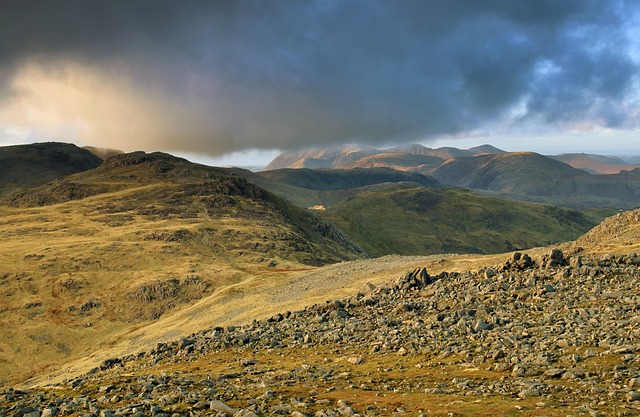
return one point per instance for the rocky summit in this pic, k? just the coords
(551, 335)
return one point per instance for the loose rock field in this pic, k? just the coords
(556, 337)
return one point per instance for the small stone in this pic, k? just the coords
(346, 411)
(548, 288)
(248, 362)
(245, 413)
(518, 370)
(49, 412)
(529, 392)
(501, 367)
(480, 326)
(216, 405)
(490, 273)
(575, 262)
(633, 396)
(554, 373)
(355, 360)
(342, 403)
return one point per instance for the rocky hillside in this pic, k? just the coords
(553, 334)
(190, 190)
(621, 231)
(25, 166)
(89, 258)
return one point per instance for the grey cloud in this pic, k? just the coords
(285, 74)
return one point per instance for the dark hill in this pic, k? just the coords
(337, 179)
(25, 166)
(522, 173)
(530, 175)
(477, 150)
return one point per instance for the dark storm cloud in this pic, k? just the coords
(277, 74)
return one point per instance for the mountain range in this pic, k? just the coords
(569, 180)
(419, 157)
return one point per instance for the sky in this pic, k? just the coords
(247, 79)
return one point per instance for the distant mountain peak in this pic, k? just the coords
(352, 156)
(596, 164)
(486, 148)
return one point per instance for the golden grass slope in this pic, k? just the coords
(131, 242)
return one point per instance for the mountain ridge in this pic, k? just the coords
(27, 166)
(580, 181)
(347, 156)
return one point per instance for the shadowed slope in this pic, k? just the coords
(338, 179)
(24, 166)
(527, 174)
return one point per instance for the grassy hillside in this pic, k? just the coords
(93, 256)
(409, 219)
(25, 166)
(530, 176)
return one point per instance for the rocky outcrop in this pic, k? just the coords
(557, 332)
